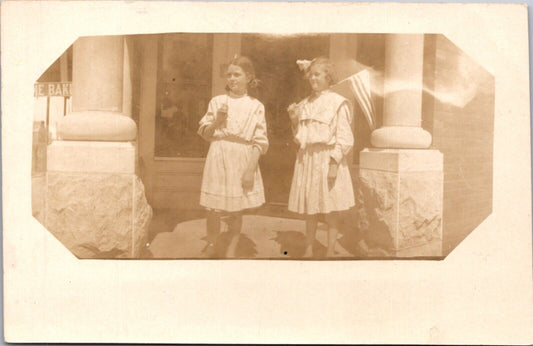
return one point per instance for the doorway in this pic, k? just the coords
(282, 83)
(171, 102)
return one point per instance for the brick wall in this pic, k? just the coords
(460, 116)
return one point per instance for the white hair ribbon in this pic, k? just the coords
(303, 64)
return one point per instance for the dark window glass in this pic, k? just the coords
(183, 92)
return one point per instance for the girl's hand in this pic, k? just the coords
(294, 114)
(294, 111)
(222, 115)
(247, 180)
(291, 108)
(332, 173)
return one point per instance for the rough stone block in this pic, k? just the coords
(142, 215)
(420, 209)
(378, 209)
(97, 215)
(400, 211)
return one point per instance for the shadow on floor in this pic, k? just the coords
(165, 220)
(246, 247)
(292, 244)
(289, 243)
(349, 239)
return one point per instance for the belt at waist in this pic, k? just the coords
(233, 140)
(317, 146)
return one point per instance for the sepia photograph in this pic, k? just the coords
(263, 146)
(246, 172)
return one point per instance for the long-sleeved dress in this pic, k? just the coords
(323, 133)
(230, 152)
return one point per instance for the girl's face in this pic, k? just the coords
(318, 78)
(237, 80)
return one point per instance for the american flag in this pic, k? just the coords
(359, 88)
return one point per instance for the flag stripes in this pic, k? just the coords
(360, 85)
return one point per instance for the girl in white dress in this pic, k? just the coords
(321, 182)
(235, 125)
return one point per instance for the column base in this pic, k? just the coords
(401, 137)
(97, 126)
(95, 204)
(400, 203)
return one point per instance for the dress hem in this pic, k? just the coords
(321, 212)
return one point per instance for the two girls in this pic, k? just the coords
(235, 125)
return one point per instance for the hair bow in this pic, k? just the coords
(303, 64)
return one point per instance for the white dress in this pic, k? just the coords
(229, 153)
(323, 133)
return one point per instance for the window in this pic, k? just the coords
(183, 93)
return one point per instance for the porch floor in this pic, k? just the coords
(181, 234)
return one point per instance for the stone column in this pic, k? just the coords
(400, 180)
(95, 202)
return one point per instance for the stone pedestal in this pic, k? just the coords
(95, 203)
(400, 202)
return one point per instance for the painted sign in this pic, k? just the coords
(52, 89)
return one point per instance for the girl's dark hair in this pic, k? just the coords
(248, 67)
(328, 67)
